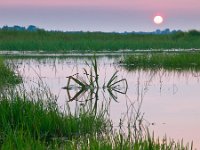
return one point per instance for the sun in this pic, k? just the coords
(158, 19)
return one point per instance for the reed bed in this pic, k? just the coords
(94, 41)
(169, 61)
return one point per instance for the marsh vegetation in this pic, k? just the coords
(169, 61)
(95, 41)
(33, 120)
(28, 124)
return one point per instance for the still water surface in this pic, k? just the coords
(170, 100)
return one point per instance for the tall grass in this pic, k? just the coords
(179, 61)
(94, 41)
(44, 122)
(26, 124)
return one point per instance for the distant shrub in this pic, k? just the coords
(194, 33)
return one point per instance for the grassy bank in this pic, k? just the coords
(169, 61)
(95, 41)
(7, 75)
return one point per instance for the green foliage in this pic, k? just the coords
(94, 41)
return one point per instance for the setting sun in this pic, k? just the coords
(158, 19)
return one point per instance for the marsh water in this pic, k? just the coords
(169, 101)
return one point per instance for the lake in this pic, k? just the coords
(168, 101)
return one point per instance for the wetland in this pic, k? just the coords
(76, 98)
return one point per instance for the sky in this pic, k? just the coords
(101, 15)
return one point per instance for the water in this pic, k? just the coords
(169, 100)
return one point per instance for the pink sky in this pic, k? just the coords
(103, 15)
(134, 4)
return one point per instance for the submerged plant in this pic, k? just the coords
(91, 83)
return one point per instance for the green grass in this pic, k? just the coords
(169, 61)
(7, 75)
(23, 141)
(45, 119)
(94, 41)
(26, 124)
(42, 121)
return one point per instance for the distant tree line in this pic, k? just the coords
(33, 28)
(158, 31)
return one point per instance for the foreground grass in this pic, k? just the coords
(170, 61)
(26, 124)
(94, 41)
(39, 122)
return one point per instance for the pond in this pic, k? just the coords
(167, 100)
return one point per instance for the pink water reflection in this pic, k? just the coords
(170, 99)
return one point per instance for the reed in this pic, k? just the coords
(91, 83)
